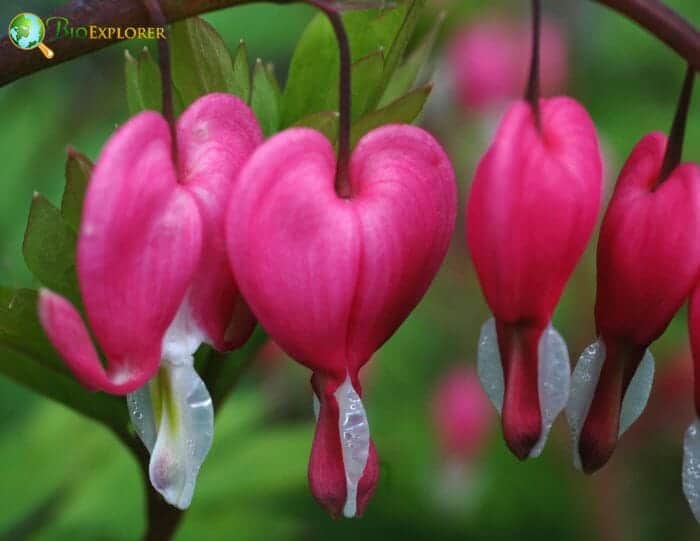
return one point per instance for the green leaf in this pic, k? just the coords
(406, 75)
(265, 99)
(29, 373)
(49, 248)
(366, 78)
(241, 72)
(403, 36)
(78, 170)
(201, 63)
(313, 71)
(403, 111)
(20, 329)
(27, 357)
(143, 88)
(325, 122)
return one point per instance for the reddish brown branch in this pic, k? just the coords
(653, 15)
(667, 25)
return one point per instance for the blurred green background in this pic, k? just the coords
(65, 477)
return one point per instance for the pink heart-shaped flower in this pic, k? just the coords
(151, 231)
(648, 262)
(331, 279)
(531, 211)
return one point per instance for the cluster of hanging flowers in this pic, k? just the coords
(192, 231)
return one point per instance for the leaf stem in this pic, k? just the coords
(532, 92)
(674, 148)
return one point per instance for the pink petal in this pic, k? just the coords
(216, 136)
(406, 203)
(67, 332)
(138, 246)
(648, 256)
(295, 249)
(331, 279)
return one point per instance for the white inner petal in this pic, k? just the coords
(691, 468)
(553, 381)
(183, 337)
(354, 439)
(316, 406)
(553, 375)
(583, 385)
(637, 395)
(174, 416)
(488, 364)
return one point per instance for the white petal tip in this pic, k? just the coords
(554, 374)
(354, 438)
(584, 382)
(488, 364)
(691, 468)
(178, 432)
(554, 380)
(350, 509)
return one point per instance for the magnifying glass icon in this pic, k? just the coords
(27, 32)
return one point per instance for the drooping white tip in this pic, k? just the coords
(354, 439)
(488, 365)
(691, 468)
(174, 417)
(584, 382)
(552, 380)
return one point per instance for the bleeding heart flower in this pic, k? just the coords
(155, 280)
(648, 260)
(486, 62)
(332, 278)
(532, 208)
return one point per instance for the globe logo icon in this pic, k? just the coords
(27, 31)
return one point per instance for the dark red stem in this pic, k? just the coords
(532, 92)
(156, 14)
(674, 148)
(342, 178)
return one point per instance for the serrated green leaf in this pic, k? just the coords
(241, 72)
(313, 71)
(78, 170)
(405, 75)
(325, 122)
(143, 87)
(201, 63)
(402, 111)
(265, 99)
(49, 248)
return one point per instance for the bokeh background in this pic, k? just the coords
(65, 477)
